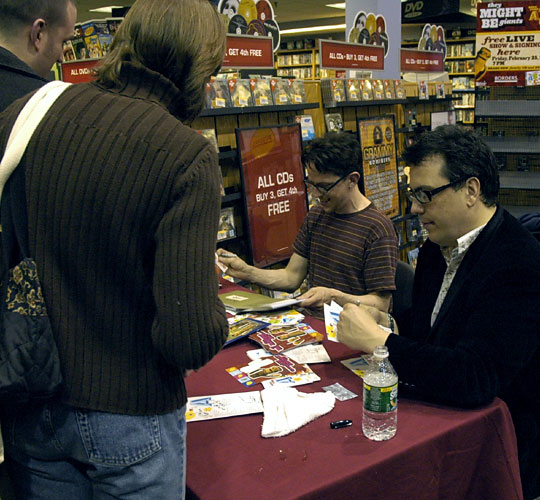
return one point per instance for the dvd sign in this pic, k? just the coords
(413, 9)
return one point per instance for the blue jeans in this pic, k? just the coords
(57, 452)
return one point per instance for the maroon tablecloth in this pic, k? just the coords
(437, 453)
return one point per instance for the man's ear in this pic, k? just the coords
(473, 190)
(354, 177)
(36, 33)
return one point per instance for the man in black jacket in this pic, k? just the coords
(32, 34)
(473, 332)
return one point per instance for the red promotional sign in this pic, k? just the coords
(421, 61)
(507, 44)
(79, 71)
(244, 51)
(275, 192)
(342, 55)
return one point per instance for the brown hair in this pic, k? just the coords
(14, 14)
(184, 40)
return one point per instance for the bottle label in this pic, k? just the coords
(380, 399)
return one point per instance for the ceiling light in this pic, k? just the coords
(311, 29)
(106, 10)
(340, 5)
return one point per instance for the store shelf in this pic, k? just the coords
(462, 91)
(304, 65)
(223, 155)
(514, 145)
(384, 102)
(499, 108)
(258, 109)
(231, 197)
(519, 180)
(518, 210)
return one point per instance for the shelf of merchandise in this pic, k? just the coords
(225, 121)
(257, 109)
(508, 108)
(509, 117)
(287, 70)
(462, 116)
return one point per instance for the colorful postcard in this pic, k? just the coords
(280, 338)
(273, 367)
(243, 328)
(223, 405)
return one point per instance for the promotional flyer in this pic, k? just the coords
(275, 192)
(507, 44)
(378, 140)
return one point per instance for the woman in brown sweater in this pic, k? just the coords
(123, 204)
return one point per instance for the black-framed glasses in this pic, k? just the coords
(324, 189)
(423, 196)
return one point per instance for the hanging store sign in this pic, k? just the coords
(244, 51)
(413, 11)
(507, 44)
(379, 163)
(251, 17)
(79, 71)
(342, 55)
(421, 61)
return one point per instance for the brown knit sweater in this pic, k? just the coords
(123, 207)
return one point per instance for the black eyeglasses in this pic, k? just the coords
(423, 196)
(324, 189)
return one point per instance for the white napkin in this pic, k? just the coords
(286, 409)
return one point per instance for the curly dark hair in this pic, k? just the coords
(337, 153)
(465, 155)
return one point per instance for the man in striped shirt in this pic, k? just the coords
(346, 247)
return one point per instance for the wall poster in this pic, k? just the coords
(507, 44)
(274, 189)
(377, 137)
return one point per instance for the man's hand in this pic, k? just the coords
(317, 296)
(236, 267)
(358, 329)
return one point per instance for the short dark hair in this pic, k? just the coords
(14, 14)
(184, 40)
(337, 153)
(465, 155)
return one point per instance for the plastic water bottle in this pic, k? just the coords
(379, 419)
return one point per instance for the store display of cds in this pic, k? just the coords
(238, 92)
(336, 90)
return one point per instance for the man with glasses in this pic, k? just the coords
(473, 332)
(346, 247)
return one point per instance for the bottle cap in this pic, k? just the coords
(381, 351)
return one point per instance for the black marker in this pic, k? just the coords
(338, 424)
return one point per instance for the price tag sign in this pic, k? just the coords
(79, 71)
(421, 61)
(342, 55)
(244, 51)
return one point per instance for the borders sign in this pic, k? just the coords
(507, 44)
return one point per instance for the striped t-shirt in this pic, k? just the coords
(354, 253)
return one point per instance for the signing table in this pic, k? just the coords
(437, 453)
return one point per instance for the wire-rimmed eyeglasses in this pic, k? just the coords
(324, 189)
